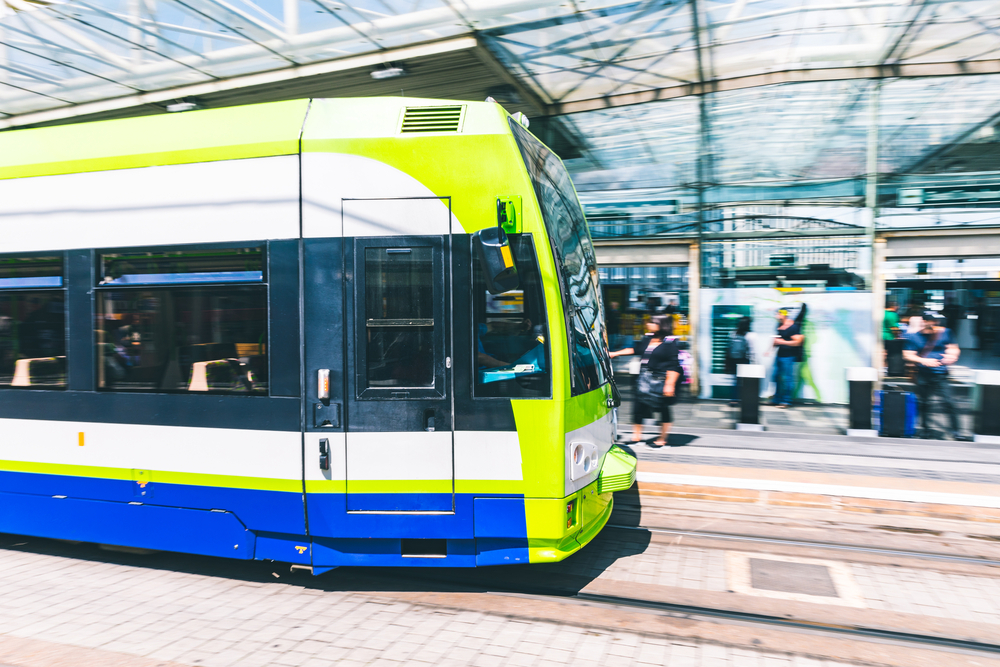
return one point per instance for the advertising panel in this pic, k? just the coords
(837, 329)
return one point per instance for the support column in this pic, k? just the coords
(291, 17)
(694, 312)
(871, 203)
(3, 47)
(878, 303)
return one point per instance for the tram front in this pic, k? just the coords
(584, 394)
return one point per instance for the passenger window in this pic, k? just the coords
(399, 317)
(511, 344)
(183, 321)
(32, 323)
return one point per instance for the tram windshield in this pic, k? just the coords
(575, 257)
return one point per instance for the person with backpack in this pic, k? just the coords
(660, 375)
(738, 352)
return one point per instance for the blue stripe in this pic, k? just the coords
(186, 278)
(275, 511)
(249, 523)
(144, 526)
(38, 281)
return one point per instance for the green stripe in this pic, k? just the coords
(326, 486)
(399, 486)
(154, 476)
(110, 163)
(515, 487)
(197, 136)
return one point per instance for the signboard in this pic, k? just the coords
(664, 206)
(838, 335)
(948, 195)
(781, 260)
(724, 321)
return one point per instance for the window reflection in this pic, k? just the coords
(33, 339)
(575, 257)
(198, 339)
(511, 329)
(399, 317)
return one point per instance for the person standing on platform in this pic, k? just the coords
(890, 323)
(788, 342)
(738, 352)
(932, 350)
(659, 376)
(635, 366)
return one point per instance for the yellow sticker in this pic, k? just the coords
(507, 261)
(301, 550)
(80, 438)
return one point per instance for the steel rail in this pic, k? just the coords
(750, 618)
(900, 553)
(549, 592)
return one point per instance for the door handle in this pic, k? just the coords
(324, 454)
(429, 421)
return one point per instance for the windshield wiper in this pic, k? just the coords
(604, 358)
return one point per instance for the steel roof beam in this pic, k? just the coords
(260, 78)
(887, 71)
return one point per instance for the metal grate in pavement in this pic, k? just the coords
(799, 578)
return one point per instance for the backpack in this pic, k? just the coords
(738, 348)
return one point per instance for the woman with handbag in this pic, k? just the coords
(635, 365)
(658, 378)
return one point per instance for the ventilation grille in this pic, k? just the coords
(432, 119)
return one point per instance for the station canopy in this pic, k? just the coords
(638, 96)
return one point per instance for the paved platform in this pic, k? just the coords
(892, 476)
(671, 540)
(69, 606)
(807, 418)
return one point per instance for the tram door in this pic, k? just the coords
(398, 367)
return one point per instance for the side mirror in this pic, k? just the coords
(495, 259)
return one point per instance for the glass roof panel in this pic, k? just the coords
(620, 49)
(649, 145)
(918, 116)
(748, 37)
(796, 131)
(771, 115)
(953, 31)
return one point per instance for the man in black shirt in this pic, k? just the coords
(788, 342)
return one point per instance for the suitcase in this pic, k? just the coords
(896, 412)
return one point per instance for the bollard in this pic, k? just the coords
(860, 382)
(987, 423)
(749, 376)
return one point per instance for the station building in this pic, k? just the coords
(733, 157)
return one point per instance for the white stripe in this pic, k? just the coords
(213, 451)
(901, 495)
(330, 178)
(230, 200)
(487, 455)
(416, 455)
(338, 456)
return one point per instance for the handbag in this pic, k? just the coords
(650, 385)
(650, 388)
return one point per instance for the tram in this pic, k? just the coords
(323, 332)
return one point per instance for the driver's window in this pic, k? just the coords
(511, 345)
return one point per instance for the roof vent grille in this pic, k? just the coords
(433, 119)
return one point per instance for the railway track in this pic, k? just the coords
(511, 587)
(690, 612)
(832, 546)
